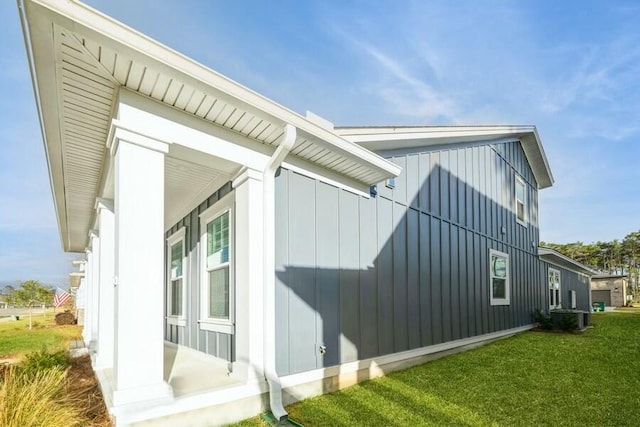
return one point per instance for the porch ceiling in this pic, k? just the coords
(80, 59)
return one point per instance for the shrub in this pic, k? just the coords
(65, 318)
(38, 399)
(568, 322)
(43, 360)
(544, 320)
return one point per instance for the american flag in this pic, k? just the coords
(61, 297)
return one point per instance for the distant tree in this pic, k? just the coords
(31, 293)
(614, 257)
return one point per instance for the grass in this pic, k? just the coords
(16, 340)
(39, 398)
(535, 378)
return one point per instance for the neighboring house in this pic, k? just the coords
(239, 253)
(567, 280)
(610, 289)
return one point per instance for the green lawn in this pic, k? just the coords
(535, 378)
(16, 339)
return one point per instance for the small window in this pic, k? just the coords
(499, 277)
(521, 205)
(217, 284)
(554, 289)
(175, 276)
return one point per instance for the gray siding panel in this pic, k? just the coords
(413, 279)
(400, 302)
(409, 267)
(385, 277)
(425, 280)
(328, 274)
(303, 307)
(349, 298)
(368, 279)
(282, 274)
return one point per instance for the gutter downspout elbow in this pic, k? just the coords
(275, 389)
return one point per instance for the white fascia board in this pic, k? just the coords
(43, 79)
(562, 261)
(386, 138)
(82, 18)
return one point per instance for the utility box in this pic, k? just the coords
(597, 306)
(572, 320)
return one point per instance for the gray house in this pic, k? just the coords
(240, 256)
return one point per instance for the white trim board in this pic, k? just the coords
(378, 366)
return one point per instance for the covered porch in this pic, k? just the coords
(137, 138)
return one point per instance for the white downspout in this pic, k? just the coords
(275, 389)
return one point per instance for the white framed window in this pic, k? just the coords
(555, 300)
(521, 201)
(217, 278)
(499, 277)
(176, 272)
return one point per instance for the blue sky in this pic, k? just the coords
(570, 67)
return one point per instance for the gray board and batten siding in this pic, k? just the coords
(408, 268)
(569, 281)
(210, 342)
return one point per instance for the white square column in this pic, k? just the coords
(106, 224)
(88, 289)
(139, 270)
(94, 302)
(249, 274)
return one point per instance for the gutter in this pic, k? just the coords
(275, 388)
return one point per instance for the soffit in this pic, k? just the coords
(80, 59)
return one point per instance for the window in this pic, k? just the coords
(554, 289)
(521, 205)
(175, 278)
(217, 279)
(499, 277)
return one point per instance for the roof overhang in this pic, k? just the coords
(79, 60)
(405, 137)
(557, 259)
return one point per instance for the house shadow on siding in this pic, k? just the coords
(408, 268)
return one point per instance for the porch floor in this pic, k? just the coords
(189, 371)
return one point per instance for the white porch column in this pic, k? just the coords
(95, 289)
(88, 284)
(249, 230)
(139, 269)
(106, 223)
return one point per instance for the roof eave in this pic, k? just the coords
(527, 134)
(556, 258)
(110, 30)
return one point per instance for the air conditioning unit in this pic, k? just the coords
(570, 319)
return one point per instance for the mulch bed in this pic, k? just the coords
(83, 382)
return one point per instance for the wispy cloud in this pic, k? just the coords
(407, 93)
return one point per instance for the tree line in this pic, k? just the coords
(28, 294)
(615, 257)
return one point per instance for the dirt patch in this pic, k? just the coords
(84, 385)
